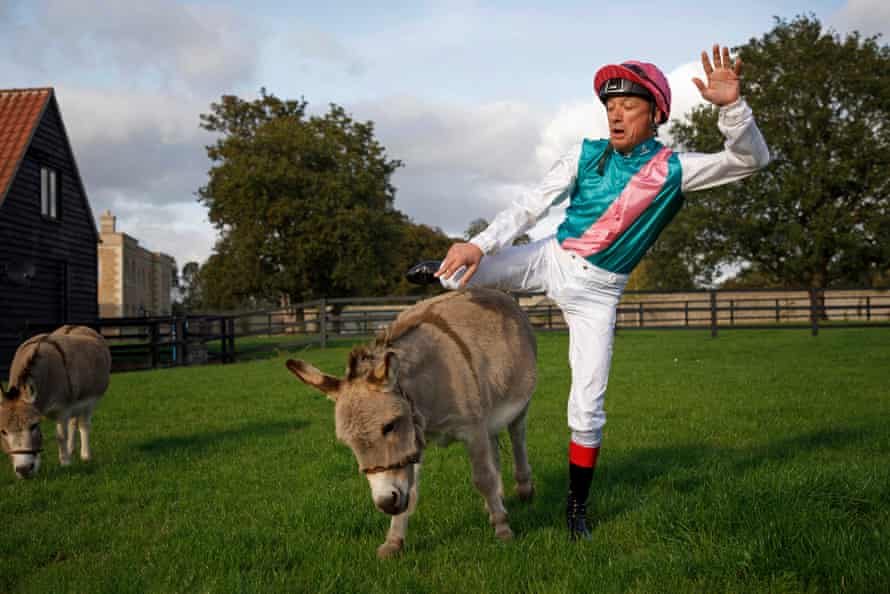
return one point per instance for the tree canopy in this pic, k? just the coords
(819, 215)
(303, 204)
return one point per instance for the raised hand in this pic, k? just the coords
(723, 77)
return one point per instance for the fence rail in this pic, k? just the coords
(140, 343)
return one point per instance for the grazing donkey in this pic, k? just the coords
(61, 376)
(460, 366)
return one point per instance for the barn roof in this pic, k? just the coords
(20, 113)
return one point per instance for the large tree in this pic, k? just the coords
(819, 215)
(303, 204)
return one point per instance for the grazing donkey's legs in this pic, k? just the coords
(522, 470)
(486, 478)
(72, 436)
(62, 439)
(496, 455)
(84, 424)
(398, 525)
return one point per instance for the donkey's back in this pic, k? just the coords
(87, 358)
(469, 357)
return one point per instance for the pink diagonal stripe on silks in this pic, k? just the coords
(636, 197)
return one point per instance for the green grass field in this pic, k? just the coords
(755, 462)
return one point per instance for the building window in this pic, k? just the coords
(49, 193)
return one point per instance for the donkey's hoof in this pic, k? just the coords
(526, 491)
(389, 549)
(503, 532)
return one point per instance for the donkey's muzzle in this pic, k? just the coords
(26, 470)
(392, 503)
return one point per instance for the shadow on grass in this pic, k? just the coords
(198, 442)
(692, 465)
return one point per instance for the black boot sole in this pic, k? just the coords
(423, 273)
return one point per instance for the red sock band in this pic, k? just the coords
(584, 456)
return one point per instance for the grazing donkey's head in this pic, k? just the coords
(20, 435)
(376, 419)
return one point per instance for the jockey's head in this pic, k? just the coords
(637, 97)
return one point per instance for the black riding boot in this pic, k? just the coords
(423, 273)
(580, 478)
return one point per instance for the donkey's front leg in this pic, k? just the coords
(398, 525)
(62, 438)
(487, 479)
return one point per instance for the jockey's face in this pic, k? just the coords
(629, 122)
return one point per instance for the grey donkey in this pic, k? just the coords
(461, 366)
(61, 376)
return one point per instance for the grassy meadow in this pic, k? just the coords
(758, 461)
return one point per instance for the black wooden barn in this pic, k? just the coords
(48, 236)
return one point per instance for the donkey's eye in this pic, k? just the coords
(389, 427)
(35, 426)
(3, 432)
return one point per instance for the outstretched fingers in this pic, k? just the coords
(706, 64)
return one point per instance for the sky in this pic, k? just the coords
(477, 99)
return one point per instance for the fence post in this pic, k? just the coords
(640, 308)
(155, 331)
(230, 336)
(777, 311)
(686, 313)
(223, 344)
(732, 312)
(549, 317)
(323, 322)
(814, 312)
(713, 313)
(184, 337)
(868, 308)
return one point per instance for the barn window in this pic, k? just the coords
(49, 193)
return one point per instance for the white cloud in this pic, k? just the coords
(178, 229)
(159, 43)
(461, 162)
(869, 17)
(308, 47)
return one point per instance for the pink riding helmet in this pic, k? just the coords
(643, 73)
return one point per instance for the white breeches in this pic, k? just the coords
(588, 297)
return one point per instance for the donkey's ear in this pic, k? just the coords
(308, 374)
(29, 393)
(2, 392)
(387, 372)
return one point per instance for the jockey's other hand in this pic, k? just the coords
(460, 255)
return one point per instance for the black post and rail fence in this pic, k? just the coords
(152, 342)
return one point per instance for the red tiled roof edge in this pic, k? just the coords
(18, 123)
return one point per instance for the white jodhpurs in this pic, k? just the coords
(588, 297)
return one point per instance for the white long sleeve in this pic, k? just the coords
(744, 152)
(532, 205)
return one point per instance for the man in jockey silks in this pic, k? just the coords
(622, 192)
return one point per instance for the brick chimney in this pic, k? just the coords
(107, 223)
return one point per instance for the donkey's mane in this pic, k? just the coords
(34, 356)
(25, 372)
